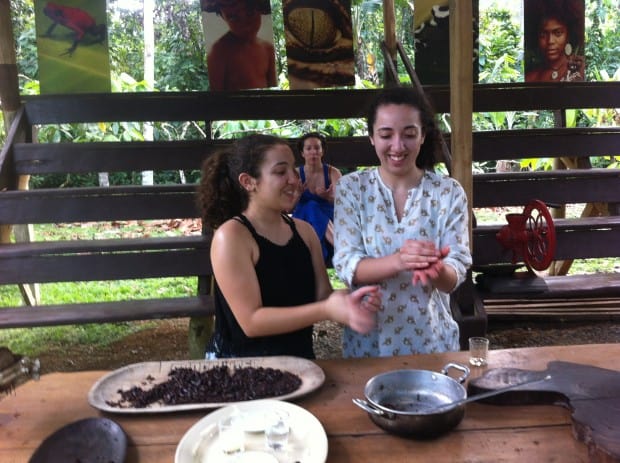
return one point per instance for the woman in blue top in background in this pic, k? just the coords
(316, 204)
(270, 280)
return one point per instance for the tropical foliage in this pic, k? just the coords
(180, 66)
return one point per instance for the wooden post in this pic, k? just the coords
(11, 102)
(9, 87)
(389, 30)
(461, 96)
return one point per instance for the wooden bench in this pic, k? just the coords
(36, 262)
(148, 257)
(597, 297)
(573, 147)
(577, 238)
(99, 259)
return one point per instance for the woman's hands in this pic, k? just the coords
(355, 309)
(423, 259)
(328, 194)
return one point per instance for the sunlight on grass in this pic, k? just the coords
(33, 341)
(92, 291)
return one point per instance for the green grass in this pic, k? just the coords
(32, 341)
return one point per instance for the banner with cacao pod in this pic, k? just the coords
(319, 43)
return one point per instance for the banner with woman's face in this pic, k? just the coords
(554, 40)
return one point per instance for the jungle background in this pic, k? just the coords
(172, 58)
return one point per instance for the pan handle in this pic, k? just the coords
(368, 407)
(457, 366)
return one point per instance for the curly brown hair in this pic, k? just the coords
(219, 195)
(214, 6)
(571, 13)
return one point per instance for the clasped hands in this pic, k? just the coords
(327, 194)
(424, 260)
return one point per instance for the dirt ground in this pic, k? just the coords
(168, 341)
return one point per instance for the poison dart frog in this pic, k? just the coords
(75, 19)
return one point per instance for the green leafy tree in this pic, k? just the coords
(25, 38)
(603, 39)
(125, 35)
(179, 46)
(500, 42)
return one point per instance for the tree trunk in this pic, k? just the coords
(149, 73)
(9, 87)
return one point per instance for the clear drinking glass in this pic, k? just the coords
(277, 430)
(478, 351)
(231, 434)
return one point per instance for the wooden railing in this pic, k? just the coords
(145, 257)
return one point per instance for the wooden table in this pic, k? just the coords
(488, 433)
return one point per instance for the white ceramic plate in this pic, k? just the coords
(106, 389)
(307, 441)
(255, 421)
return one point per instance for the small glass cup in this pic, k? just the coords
(277, 430)
(478, 351)
(231, 434)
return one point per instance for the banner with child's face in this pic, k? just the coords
(239, 43)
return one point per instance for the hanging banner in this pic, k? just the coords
(72, 45)
(319, 43)
(431, 20)
(554, 40)
(239, 43)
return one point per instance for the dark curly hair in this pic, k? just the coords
(568, 12)
(215, 6)
(430, 151)
(220, 195)
(317, 135)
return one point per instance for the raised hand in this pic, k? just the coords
(355, 309)
(425, 275)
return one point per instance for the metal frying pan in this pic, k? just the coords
(87, 441)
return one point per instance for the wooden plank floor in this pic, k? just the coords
(578, 309)
(571, 297)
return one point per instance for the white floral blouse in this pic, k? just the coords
(412, 318)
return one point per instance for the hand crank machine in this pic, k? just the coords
(530, 236)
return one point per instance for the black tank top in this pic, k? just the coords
(286, 278)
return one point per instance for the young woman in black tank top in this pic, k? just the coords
(271, 285)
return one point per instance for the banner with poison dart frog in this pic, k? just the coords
(72, 43)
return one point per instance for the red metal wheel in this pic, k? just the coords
(539, 249)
